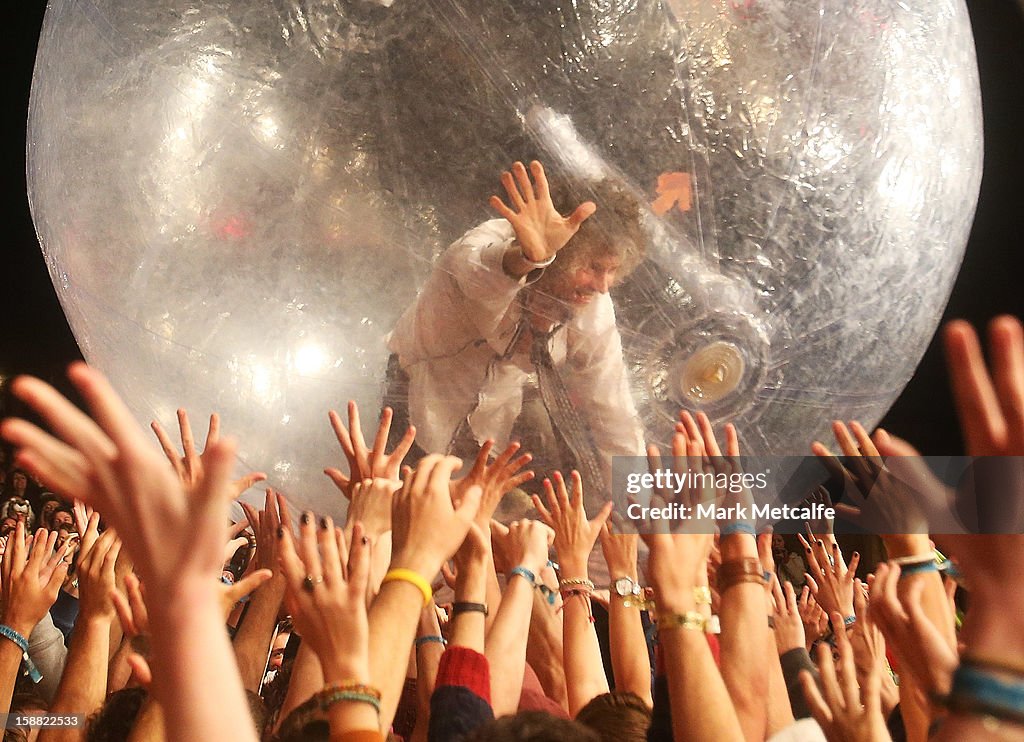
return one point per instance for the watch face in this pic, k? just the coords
(624, 586)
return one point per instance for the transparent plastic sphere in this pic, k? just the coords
(238, 200)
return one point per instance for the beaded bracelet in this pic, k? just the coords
(347, 691)
(30, 667)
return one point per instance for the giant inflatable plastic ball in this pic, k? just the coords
(237, 200)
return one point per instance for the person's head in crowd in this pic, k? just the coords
(617, 717)
(63, 518)
(7, 525)
(48, 503)
(515, 505)
(19, 509)
(606, 249)
(64, 535)
(277, 650)
(19, 483)
(533, 726)
(116, 717)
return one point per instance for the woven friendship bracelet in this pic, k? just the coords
(579, 592)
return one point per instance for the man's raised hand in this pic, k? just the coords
(540, 230)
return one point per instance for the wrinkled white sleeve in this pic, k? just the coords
(464, 299)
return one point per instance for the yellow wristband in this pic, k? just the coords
(408, 575)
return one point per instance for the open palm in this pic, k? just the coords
(540, 230)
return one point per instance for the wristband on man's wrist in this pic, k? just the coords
(30, 667)
(535, 265)
(461, 607)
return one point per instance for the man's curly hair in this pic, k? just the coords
(614, 230)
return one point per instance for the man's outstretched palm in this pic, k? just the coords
(540, 230)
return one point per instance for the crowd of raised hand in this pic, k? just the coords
(145, 614)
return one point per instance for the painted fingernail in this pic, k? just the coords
(307, 518)
(323, 523)
(280, 531)
(366, 540)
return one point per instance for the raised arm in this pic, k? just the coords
(83, 685)
(507, 638)
(575, 536)
(255, 634)
(701, 706)
(417, 554)
(745, 633)
(328, 602)
(631, 664)
(540, 230)
(31, 577)
(175, 539)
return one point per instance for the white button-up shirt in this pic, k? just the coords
(457, 343)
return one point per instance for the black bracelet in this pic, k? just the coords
(458, 608)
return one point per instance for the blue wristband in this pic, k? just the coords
(432, 639)
(738, 527)
(30, 667)
(530, 577)
(525, 574)
(975, 685)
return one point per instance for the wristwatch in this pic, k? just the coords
(627, 587)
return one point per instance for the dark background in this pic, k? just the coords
(35, 338)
